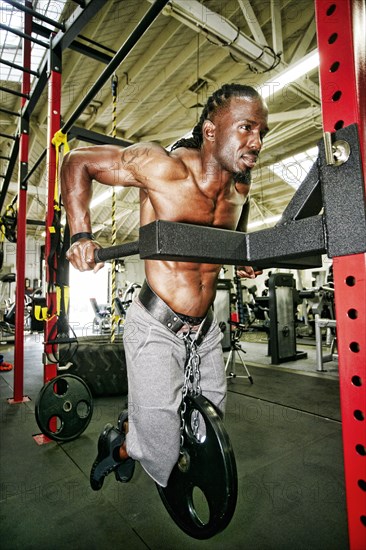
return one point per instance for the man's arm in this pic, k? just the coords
(136, 166)
(244, 217)
(107, 164)
(78, 170)
(246, 270)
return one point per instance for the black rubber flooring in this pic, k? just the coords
(286, 435)
(294, 390)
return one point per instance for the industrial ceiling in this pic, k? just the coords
(192, 48)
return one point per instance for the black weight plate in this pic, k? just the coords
(211, 471)
(64, 408)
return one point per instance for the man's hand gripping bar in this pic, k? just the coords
(117, 251)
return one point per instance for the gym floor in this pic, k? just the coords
(286, 433)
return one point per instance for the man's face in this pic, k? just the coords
(239, 132)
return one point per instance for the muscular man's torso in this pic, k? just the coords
(186, 185)
(187, 287)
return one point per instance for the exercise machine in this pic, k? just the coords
(237, 328)
(282, 301)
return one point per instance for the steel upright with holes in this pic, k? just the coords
(341, 39)
(54, 122)
(22, 221)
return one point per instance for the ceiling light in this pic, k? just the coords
(293, 170)
(306, 64)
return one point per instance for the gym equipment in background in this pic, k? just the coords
(237, 329)
(282, 302)
(100, 363)
(102, 317)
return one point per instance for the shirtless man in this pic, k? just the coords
(203, 180)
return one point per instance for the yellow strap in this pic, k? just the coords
(62, 296)
(58, 300)
(40, 313)
(59, 139)
(66, 299)
(59, 297)
(10, 210)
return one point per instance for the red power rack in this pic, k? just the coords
(341, 39)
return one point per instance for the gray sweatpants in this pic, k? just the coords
(155, 367)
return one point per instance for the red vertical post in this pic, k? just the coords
(54, 122)
(342, 65)
(22, 222)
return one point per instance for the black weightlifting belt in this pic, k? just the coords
(166, 316)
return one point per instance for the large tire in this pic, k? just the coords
(101, 364)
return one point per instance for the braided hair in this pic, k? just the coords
(219, 100)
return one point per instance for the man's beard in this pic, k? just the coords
(243, 177)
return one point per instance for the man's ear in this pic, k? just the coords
(208, 130)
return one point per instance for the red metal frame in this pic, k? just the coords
(54, 122)
(22, 224)
(343, 103)
(341, 39)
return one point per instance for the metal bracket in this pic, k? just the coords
(22, 176)
(336, 153)
(343, 193)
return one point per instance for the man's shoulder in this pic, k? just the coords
(157, 162)
(149, 150)
(189, 160)
(152, 163)
(187, 156)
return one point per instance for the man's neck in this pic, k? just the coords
(213, 174)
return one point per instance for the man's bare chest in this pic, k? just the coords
(191, 204)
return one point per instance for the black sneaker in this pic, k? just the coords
(125, 470)
(108, 460)
(123, 417)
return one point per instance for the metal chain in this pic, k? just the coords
(191, 385)
(196, 360)
(183, 408)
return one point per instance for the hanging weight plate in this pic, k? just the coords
(202, 490)
(64, 408)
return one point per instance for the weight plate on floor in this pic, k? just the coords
(64, 408)
(202, 489)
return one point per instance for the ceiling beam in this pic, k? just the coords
(133, 230)
(295, 114)
(182, 90)
(97, 72)
(305, 42)
(252, 22)
(167, 71)
(215, 26)
(71, 69)
(31, 189)
(73, 28)
(171, 135)
(202, 19)
(6, 119)
(273, 118)
(277, 40)
(154, 48)
(289, 132)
